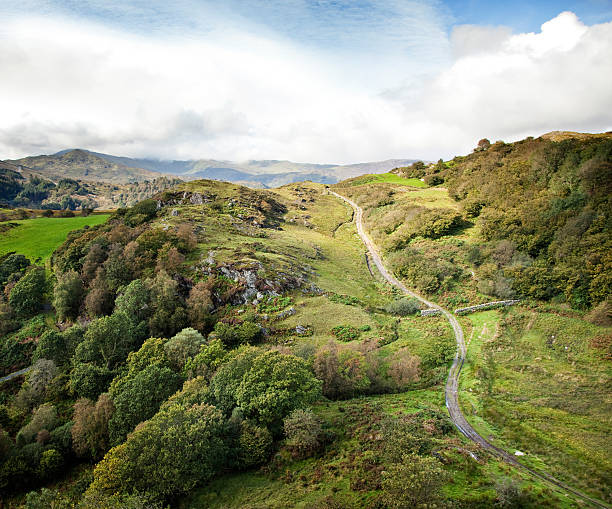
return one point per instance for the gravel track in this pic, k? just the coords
(452, 383)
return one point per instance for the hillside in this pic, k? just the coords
(539, 212)
(221, 346)
(81, 164)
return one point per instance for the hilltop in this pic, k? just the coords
(81, 164)
(95, 166)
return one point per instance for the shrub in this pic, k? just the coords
(90, 429)
(413, 482)
(601, 314)
(275, 385)
(403, 307)
(139, 398)
(254, 444)
(44, 417)
(51, 346)
(303, 433)
(345, 332)
(185, 345)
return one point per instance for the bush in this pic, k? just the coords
(345, 332)
(51, 346)
(403, 307)
(182, 347)
(601, 314)
(138, 398)
(414, 482)
(275, 385)
(303, 433)
(254, 444)
(44, 417)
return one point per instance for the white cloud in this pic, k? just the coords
(243, 94)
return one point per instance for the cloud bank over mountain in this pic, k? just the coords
(231, 87)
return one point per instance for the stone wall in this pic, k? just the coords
(486, 305)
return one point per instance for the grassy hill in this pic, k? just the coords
(81, 164)
(169, 293)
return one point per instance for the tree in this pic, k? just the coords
(303, 432)
(139, 398)
(51, 345)
(90, 429)
(254, 444)
(44, 417)
(183, 346)
(12, 264)
(117, 271)
(135, 302)
(88, 380)
(483, 144)
(199, 306)
(67, 295)
(108, 340)
(414, 482)
(27, 295)
(169, 315)
(93, 260)
(228, 377)
(343, 371)
(167, 455)
(275, 385)
(206, 362)
(404, 369)
(99, 299)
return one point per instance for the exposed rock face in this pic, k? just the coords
(252, 285)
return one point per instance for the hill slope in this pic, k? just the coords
(81, 164)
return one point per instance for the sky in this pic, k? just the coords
(327, 81)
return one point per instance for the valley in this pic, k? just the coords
(283, 326)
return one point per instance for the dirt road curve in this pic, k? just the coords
(452, 383)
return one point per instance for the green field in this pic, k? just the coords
(387, 178)
(38, 238)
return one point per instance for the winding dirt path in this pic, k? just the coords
(452, 383)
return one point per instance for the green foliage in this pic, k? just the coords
(51, 345)
(44, 417)
(224, 384)
(10, 265)
(254, 444)
(349, 300)
(414, 482)
(27, 296)
(274, 304)
(303, 433)
(67, 295)
(275, 385)
(89, 380)
(233, 335)
(183, 346)
(51, 463)
(206, 362)
(167, 455)
(345, 332)
(108, 340)
(140, 213)
(139, 397)
(403, 307)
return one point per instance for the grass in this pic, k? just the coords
(387, 178)
(532, 383)
(38, 238)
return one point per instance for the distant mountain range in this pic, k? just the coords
(94, 166)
